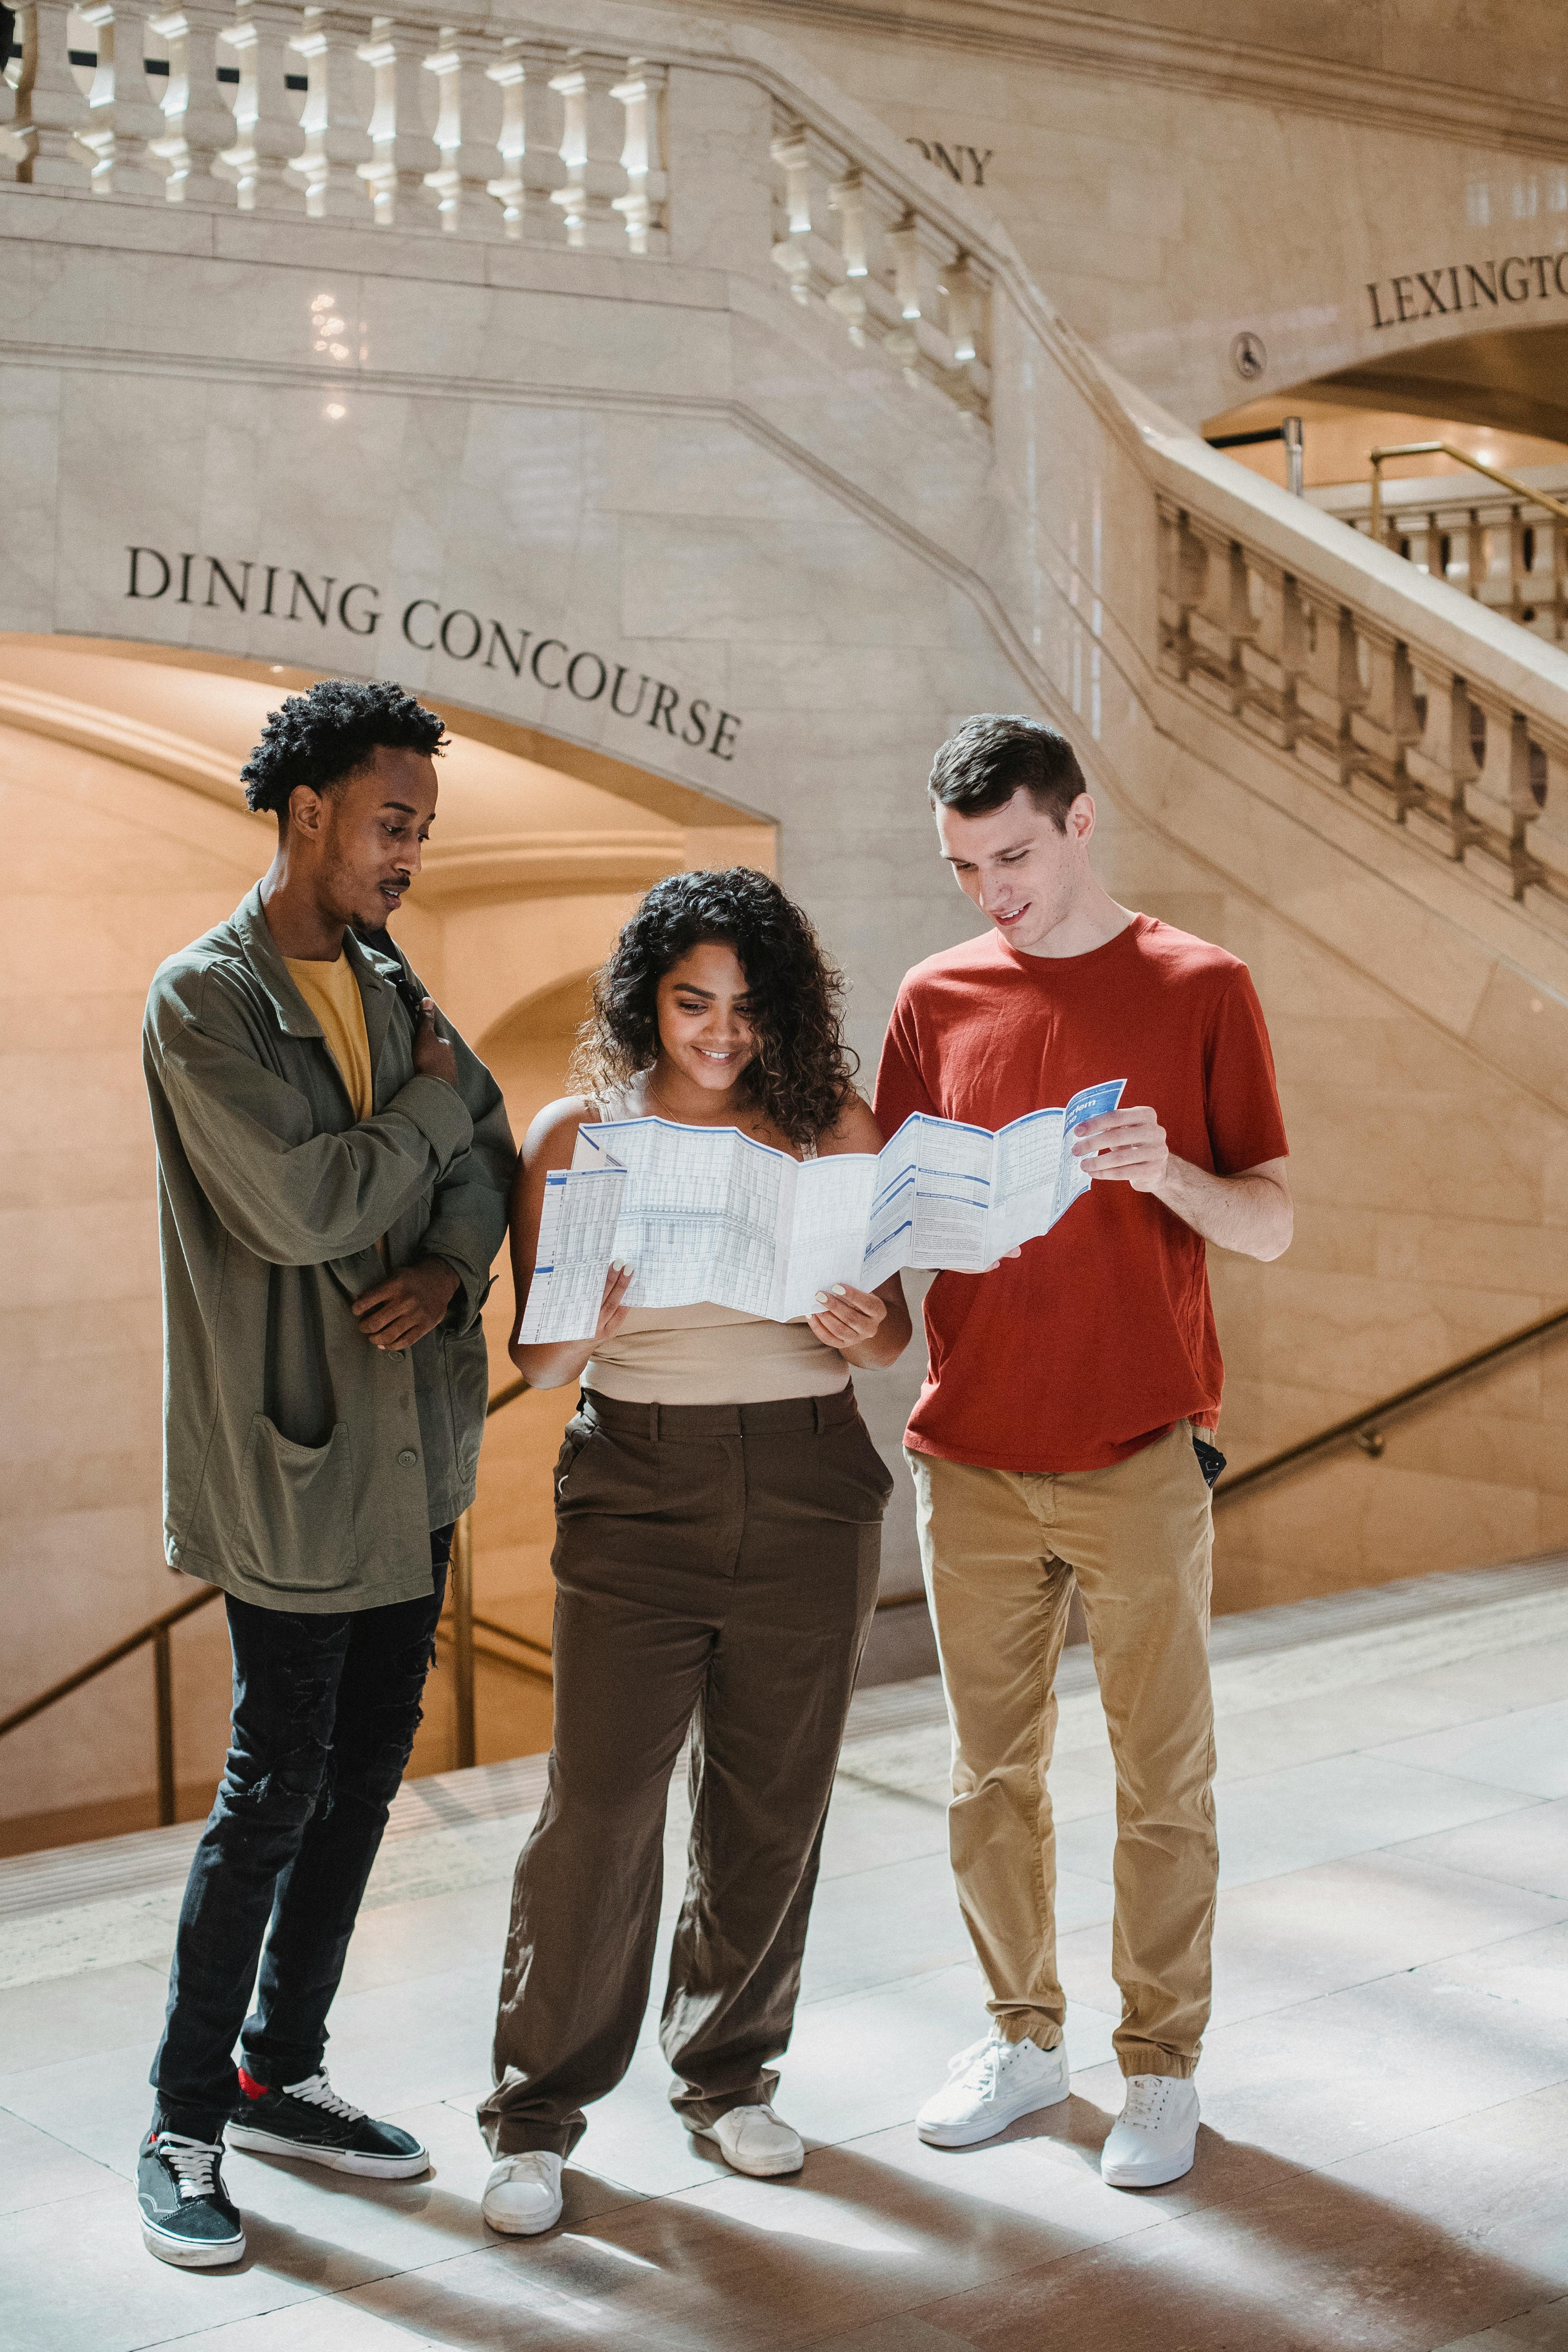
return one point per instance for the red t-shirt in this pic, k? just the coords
(1100, 1335)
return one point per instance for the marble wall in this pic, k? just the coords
(1171, 199)
(676, 468)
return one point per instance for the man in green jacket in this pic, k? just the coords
(333, 1166)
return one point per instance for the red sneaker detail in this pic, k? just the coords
(251, 2086)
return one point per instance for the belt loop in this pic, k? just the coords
(816, 1416)
(653, 1423)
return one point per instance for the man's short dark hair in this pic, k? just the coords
(981, 766)
(318, 737)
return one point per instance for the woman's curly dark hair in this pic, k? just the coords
(318, 738)
(802, 1074)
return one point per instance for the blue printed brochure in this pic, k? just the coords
(707, 1215)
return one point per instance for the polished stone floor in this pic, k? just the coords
(1385, 2156)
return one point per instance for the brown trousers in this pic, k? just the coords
(1003, 1549)
(716, 1567)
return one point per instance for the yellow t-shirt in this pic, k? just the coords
(331, 991)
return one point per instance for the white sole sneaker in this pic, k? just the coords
(190, 2253)
(776, 2168)
(538, 2209)
(1156, 2176)
(335, 2159)
(1028, 2099)
(1154, 2141)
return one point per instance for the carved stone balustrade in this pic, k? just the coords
(1505, 552)
(123, 117)
(197, 124)
(1361, 711)
(336, 110)
(894, 276)
(41, 141)
(592, 140)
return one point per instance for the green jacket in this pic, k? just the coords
(303, 1468)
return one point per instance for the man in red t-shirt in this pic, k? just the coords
(1063, 1432)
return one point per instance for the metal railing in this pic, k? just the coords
(1510, 482)
(1365, 1429)
(471, 1635)
(1289, 432)
(156, 1631)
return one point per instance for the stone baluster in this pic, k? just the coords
(846, 200)
(40, 139)
(1329, 692)
(919, 254)
(1274, 658)
(1220, 624)
(1549, 834)
(332, 120)
(1518, 570)
(791, 152)
(464, 112)
(592, 139)
(1385, 726)
(966, 290)
(400, 145)
(1444, 765)
(1475, 553)
(196, 123)
(121, 115)
(508, 188)
(644, 206)
(1184, 570)
(266, 129)
(1501, 795)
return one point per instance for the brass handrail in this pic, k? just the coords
(1362, 1428)
(1447, 449)
(156, 1631)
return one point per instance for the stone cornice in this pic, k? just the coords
(1077, 41)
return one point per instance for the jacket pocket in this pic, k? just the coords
(295, 1527)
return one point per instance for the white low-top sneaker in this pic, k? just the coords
(755, 2140)
(1153, 2138)
(989, 2086)
(523, 2195)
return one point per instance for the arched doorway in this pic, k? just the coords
(127, 836)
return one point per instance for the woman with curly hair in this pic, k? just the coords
(719, 1508)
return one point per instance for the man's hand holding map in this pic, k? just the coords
(707, 1215)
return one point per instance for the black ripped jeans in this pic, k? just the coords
(325, 1710)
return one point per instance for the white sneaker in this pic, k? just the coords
(1153, 2138)
(989, 2086)
(755, 2140)
(523, 2195)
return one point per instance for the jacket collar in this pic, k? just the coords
(295, 1017)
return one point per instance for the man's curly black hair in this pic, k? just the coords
(318, 737)
(802, 1077)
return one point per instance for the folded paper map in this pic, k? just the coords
(705, 1213)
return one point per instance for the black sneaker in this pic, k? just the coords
(309, 2120)
(186, 2216)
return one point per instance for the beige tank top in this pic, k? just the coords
(706, 1355)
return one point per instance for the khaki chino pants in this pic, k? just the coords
(716, 1569)
(1002, 1550)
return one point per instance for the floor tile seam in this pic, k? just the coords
(312, 2294)
(43, 2131)
(1366, 1984)
(1500, 1716)
(1470, 2115)
(1340, 1755)
(1404, 1847)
